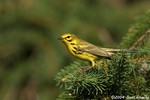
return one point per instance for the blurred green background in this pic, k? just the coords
(31, 55)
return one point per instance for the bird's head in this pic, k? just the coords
(68, 38)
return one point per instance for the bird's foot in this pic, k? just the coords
(105, 68)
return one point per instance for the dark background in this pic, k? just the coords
(31, 55)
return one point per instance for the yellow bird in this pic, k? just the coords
(85, 50)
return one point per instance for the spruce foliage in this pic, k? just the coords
(128, 73)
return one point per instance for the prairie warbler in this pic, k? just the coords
(85, 50)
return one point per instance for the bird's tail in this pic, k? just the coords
(117, 50)
(132, 50)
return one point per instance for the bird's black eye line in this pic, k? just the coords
(69, 40)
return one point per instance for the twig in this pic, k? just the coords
(139, 59)
(140, 39)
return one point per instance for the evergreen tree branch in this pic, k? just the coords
(138, 33)
(140, 39)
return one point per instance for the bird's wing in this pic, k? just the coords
(92, 49)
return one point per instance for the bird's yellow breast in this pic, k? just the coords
(81, 55)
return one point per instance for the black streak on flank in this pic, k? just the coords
(72, 43)
(75, 48)
(76, 51)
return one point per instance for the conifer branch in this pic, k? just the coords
(140, 39)
(139, 59)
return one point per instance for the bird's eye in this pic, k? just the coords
(68, 37)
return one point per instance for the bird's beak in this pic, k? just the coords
(60, 38)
